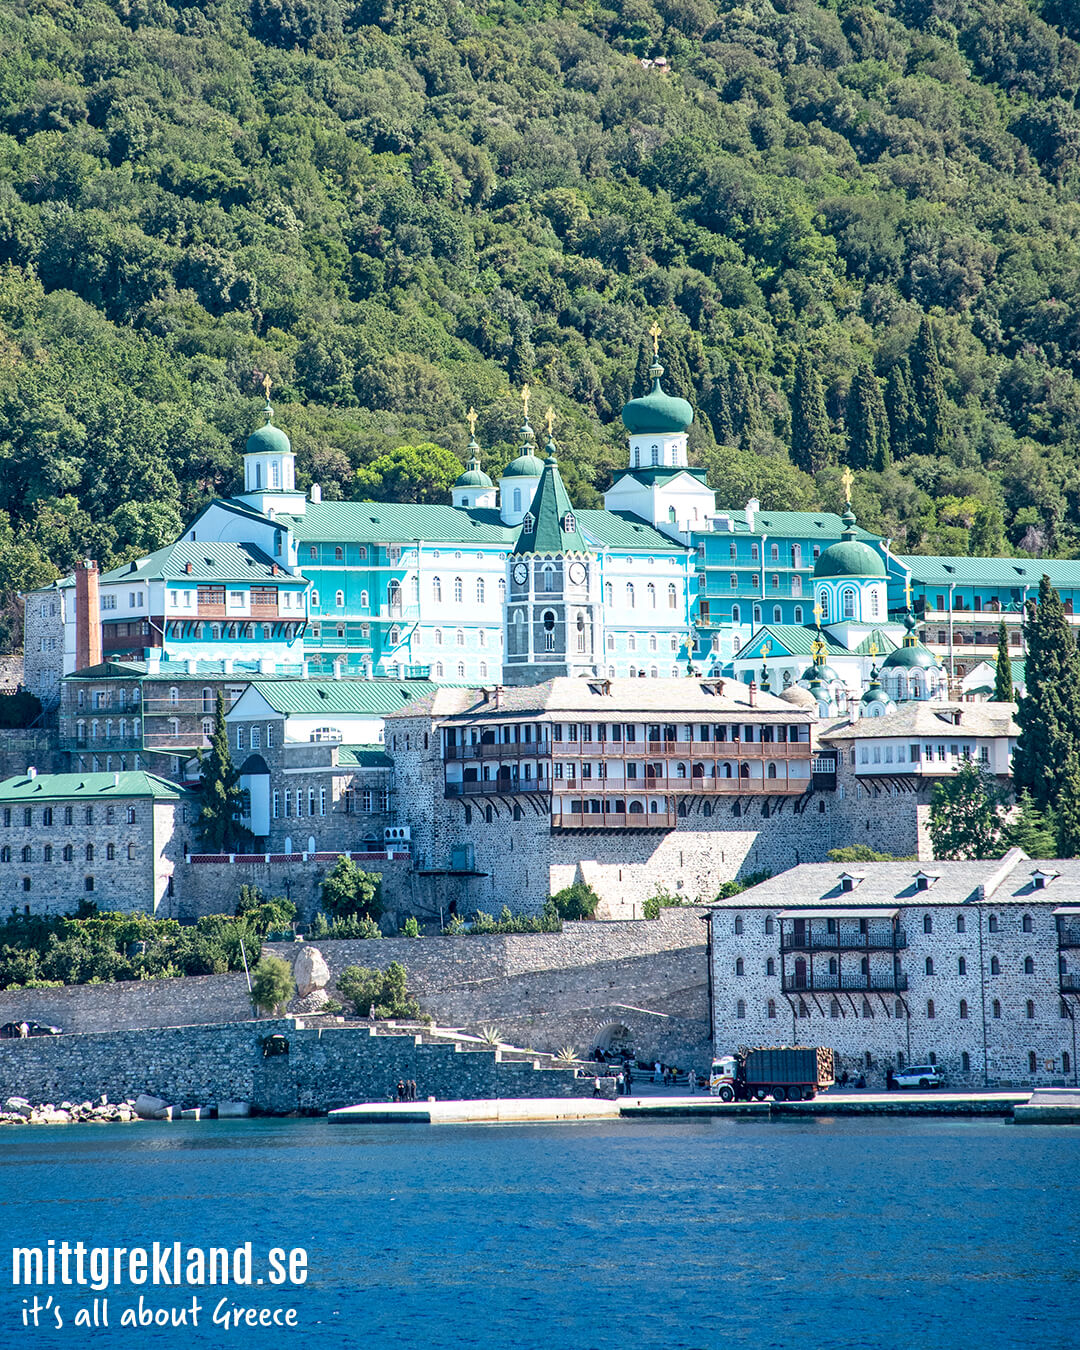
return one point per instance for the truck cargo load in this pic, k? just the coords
(783, 1072)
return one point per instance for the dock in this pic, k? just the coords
(547, 1110)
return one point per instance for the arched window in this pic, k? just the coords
(27, 853)
(774, 581)
(459, 591)
(609, 594)
(796, 585)
(89, 853)
(770, 966)
(461, 670)
(394, 637)
(823, 602)
(1029, 965)
(364, 598)
(929, 965)
(437, 637)
(770, 925)
(549, 630)
(549, 577)
(339, 599)
(672, 517)
(629, 595)
(875, 603)
(1026, 925)
(777, 615)
(1031, 1009)
(480, 596)
(740, 966)
(995, 966)
(798, 614)
(772, 1007)
(517, 499)
(928, 923)
(174, 696)
(738, 923)
(654, 454)
(849, 604)
(757, 613)
(963, 1009)
(736, 616)
(393, 595)
(740, 1008)
(672, 596)
(459, 637)
(650, 595)
(997, 1007)
(436, 590)
(930, 1007)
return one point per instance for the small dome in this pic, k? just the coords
(527, 465)
(474, 477)
(799, 697)
(914, 657)
(268, 440)
(875, 694)
(824, 673)
(657, 412)
(850, 558)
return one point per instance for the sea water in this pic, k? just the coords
(835, 1233)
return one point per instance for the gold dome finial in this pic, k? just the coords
(470, 417)
(847, 478)
(526, 394)
(654, 333)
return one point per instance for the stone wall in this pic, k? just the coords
(325, 1068)
(43, 643)
(890, 813)
(22, 747)
(995, 1028)
(131, 1004)
(212, 888)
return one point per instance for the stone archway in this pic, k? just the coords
(613, 1039)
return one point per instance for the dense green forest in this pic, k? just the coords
(856, 221)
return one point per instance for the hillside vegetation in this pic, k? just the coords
(398, 208)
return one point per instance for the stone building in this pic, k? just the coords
(973, 966)
(117, 839)
(632, 785)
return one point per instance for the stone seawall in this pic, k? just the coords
(326, 1068)
(131, 1004)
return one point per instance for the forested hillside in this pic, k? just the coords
(856, 222)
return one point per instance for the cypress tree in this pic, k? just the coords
(867, 423)
(1049, 713)
(987, 537)
(900, 407)
(1003, 685)
(220, 794)
(929, 390)
(811, 441)
(1068, 807)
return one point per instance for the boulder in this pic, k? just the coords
(192, 1113)
(310, 971)
(146, 1107)
(19, 1106)
(233, 1110)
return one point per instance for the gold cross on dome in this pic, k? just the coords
(470, 417)
(766, 648)
(847, 478)
(818, 612)
(267, 384)
(654, 333)
(873, 649)
(550, 420)
(525, 395)
(907, 590)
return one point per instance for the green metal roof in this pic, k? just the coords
(1064, 573)
(622, 529)
(661, 476)
(88, 786)
(795, 639)
(376, 697)
(365, 756)
(796, 524)
(884, 643)
(397, 523)
(217, 561)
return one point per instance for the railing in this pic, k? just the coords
(710, 751)
(493, 750)
(881, 940)
(613, 820)
(184, 740)
(1070, 983)
(855, 983)
(1068, 934)
(389, 854)
(495, 787)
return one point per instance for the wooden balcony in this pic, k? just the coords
(613, 820)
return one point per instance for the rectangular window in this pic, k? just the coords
(311, 801)
(322, 801)
(211, 595)
(287, 795)
(276, 808)
(241, 738)
(256, 738)
(269, 736)
(264, 595)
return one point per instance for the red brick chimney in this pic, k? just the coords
(88, 651)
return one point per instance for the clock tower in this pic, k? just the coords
(553, 593)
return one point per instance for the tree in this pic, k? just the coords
(272, 984)
(347, 889)
(1049, 713)
(578, 901)
(1035, 831)
(1003, 685)
(929, 390)
(411, 473)
(900, 409)
(222, 800)
(987, 539)
(1068, 807)
(264, 915)
(967, 815)
(856, 853)
(811, 440)
(867, 423)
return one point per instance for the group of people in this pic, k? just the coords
(406, 1090)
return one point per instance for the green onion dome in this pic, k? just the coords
(850, 557)
(657, 413)
(268, 440)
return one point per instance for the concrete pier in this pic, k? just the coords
(539, 1110)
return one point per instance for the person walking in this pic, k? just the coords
(658, 1073)
(691, 1082)
(596, 1087)
(401, 1090)
(628, 1078)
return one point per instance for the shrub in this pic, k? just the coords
(730, 888)
(661, 899)
(855, 853)
(272, 984)
(264, 915)
(377, 993)
(350, 926)
(578, 901)
(454, 926)
(411, 929)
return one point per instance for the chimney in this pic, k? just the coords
(88, 651)
(31, 772)
(116, 780)
(316, 492)
(153, 661)
(752, 692)
(498, 692)
(753, 506)
(188, 568)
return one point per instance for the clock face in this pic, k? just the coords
(577, 573)
(521, 573)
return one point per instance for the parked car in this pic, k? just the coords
(919, 1076)
(13, 1031)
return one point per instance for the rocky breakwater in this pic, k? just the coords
(20, 1111)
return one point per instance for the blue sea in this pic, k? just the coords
(877, 1233)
